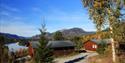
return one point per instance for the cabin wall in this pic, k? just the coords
(63, 52)
(90, 46)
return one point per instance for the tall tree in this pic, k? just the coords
(78, 42)
(105, 12)
(43, 53)
(3, 50)
(58, 36)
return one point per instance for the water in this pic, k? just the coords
(15, 47)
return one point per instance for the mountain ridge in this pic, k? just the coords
(12, 36)
(67, 33)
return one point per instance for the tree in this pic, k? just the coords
(1, 48)
(101, 47)
(105, 12)
(119, 32)
(4, 57)
(58, 36)
(43, 53)
(78, 42)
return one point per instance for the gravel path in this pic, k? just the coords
(86, 59)
(79, 58)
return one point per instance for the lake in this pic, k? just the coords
(15, 47)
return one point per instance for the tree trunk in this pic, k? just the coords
(1, 55)
(113, 47)
(113, 50)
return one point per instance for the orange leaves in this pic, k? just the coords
(99, 4)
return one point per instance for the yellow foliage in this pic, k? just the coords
(100, 35)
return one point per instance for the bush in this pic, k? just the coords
(101, 47)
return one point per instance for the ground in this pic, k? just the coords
(98, 59)
(79, 58)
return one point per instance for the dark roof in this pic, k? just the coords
(108, 41)
(56, 44)
(35, 44)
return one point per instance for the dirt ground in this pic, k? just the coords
(98, 59)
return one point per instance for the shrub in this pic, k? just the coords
(101, 47)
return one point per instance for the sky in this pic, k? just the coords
(24, 17)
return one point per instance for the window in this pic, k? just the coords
(94, 46)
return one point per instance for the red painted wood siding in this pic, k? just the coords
(89, 46)
(30, 50)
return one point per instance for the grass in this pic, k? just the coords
(106, 58)
(102, 58)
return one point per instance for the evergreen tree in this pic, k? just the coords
(58, 36)
(1, 48)
(43, 53)
(78, 42)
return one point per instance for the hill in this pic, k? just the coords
(12, 36)
(7, 38)
(67, 33)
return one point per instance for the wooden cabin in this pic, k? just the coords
(61, 47)
(92, 45)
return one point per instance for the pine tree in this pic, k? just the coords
(78, 42)
(58, 36)
(1, 48)
(43, 53)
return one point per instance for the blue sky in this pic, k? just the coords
(24, 17)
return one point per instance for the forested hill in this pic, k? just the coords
(67, 33)
(11, 38)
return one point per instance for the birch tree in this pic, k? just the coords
(105, 12)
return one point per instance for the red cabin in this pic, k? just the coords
(90, 45)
